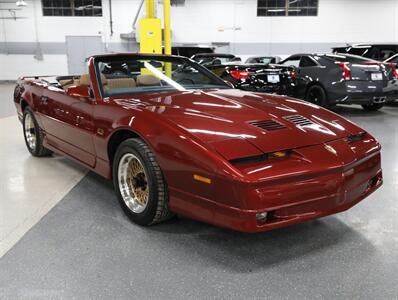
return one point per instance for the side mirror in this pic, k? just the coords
(80, 91)
(231, 85)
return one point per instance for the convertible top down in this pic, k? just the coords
(176, 139)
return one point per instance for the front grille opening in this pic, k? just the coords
(268, 125)
(375, 181)
(355, 137)
(300, 121)
(250, 159)
(259, 158)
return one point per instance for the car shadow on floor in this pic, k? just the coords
(192, 242)
(356, 110)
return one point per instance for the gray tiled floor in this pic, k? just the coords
(86, 248)
(7, 107)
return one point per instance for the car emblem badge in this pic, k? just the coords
(100, 131)
(331, 149)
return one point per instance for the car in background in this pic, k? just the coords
(330, 79)
(392, 60)
(378, 52)
(263, 60)
(188, 51)
(265, 78)
(208, 59)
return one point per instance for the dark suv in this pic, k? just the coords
(374, 51)
(329, 79)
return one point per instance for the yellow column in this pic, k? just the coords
(167, 34)
(150, 9)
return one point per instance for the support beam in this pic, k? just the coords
(167, 33)
(150, 9)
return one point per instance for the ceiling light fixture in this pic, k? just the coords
(21, 3)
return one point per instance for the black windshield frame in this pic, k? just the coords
(221, 84)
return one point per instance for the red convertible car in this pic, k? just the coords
(176, 139)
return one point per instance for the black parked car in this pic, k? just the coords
(329, 79)
(392, 60)
(374, 51)
(209, 59)
(266, 78)
(188, 51)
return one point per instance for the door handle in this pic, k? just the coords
(44, 99)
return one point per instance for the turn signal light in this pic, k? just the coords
(202, 179)
(346, 70)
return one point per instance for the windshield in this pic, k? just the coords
(122, 75)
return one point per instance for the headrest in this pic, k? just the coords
(147, 80)
(103, 79)
(121, 83)
(85, 80)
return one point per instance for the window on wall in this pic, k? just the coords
(72, 8)
(275, 8)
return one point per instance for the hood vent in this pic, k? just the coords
(299, 120)
(268, 125)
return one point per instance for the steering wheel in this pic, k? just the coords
(119, 73)
(190, 81)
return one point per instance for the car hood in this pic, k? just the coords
(253, 122)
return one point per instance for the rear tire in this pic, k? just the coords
(373, 106)
(139, 183)
(317, 95)
(33, 134)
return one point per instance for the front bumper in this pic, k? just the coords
(287, 201)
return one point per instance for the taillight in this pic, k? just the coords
(394, 70)
(293, 74)
(346, 71)
(240, 74)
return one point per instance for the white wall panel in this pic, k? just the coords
(207, 21)
(14, 66)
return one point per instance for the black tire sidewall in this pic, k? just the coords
(36, 151)
(135, 147)
(323, 101)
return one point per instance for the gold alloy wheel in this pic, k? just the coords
(133, 183)
(30, 131)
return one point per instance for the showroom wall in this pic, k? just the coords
(33, 44)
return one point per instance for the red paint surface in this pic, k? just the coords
(197, 132)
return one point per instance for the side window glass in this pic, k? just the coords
(375, 54)
(386, 53)
(294, 61)
(307, 62)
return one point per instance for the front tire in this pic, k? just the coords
(139, 183)
(33, 134)
(373, 106)
(317, 95)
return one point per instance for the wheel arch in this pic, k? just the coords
(23, 104)
(316, 83)
(118, 137)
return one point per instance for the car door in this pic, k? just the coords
(309, 70)
(68, 123)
